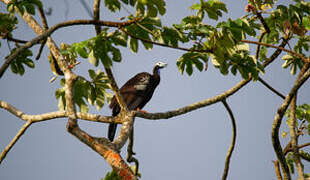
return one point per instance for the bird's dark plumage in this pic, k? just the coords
(136, 92)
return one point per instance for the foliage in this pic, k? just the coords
(94, 92)
(17, 65)
(22, 5)
(7, 23)
(98, 48)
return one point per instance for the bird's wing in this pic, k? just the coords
(139, 82)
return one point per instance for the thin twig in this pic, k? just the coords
(15, 40)
(233, 140)
(14, 140)
(166, 45)
(262, 20)
(45, 27)
(271, 88)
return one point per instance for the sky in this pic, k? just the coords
(191, 146)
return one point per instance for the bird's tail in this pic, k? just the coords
(112, 130)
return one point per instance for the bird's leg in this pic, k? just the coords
(141, 111)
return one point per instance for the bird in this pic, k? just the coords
(136, 92)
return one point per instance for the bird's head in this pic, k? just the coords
(159, 65)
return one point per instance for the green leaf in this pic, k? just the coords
(29, 63)
(30, 8)
(92, 59)
(189, 68)
(306, 22)
(82, 52)
(133, 45)
(92, 74)
(112, 5)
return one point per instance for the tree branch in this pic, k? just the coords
(45, 26)
(14, 140)
(278, 119)
(57, 114)
(277, 170)
(233, 140)
(271, 88)
(294, 138)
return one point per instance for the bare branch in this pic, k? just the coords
(57, 114)
(14, 140)
(271, 88)
(233, 140)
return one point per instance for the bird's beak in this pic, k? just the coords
(164, 65)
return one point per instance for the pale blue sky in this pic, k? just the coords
(191, 146)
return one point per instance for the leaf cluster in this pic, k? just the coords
(291, 21)
(94, 92)
(100, 48)
(24, 5)
(149, 7)
(22, 59)
(7, 23)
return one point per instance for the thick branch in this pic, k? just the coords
(233, 140)
(278, 119)
(14, 140)
(294, 139)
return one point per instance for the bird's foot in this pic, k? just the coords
(141, 111)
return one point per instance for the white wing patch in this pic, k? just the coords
(142, 84)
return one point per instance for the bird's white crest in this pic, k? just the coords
(161, 64)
